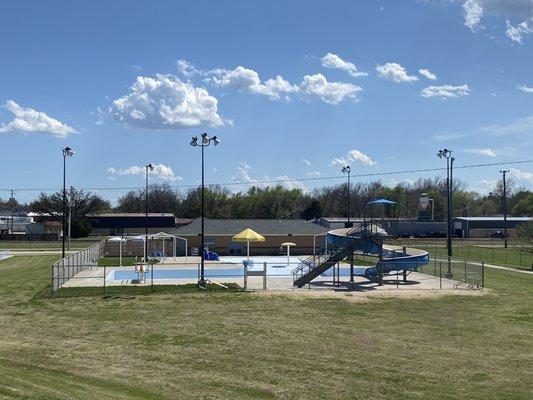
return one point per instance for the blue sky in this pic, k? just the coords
(294, 89)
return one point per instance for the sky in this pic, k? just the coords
(294, 89)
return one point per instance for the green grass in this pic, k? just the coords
(216, 344)
(115, 261)
(26, 245)
(511, 257)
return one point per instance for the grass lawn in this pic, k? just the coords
(237, 345)
(115, 261)
(26, 245)
(511, 257)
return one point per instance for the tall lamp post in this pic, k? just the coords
(447, 154)
(67, 152)
(504, 206)
(347, 170)
(148, 167)
(204, 141)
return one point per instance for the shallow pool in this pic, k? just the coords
(273, 270)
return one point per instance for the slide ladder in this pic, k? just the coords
(313, 266)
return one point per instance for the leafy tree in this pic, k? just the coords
(80, 228)
(81, 204)
(312, 210)
(523, 204)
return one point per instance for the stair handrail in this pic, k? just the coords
(361, 229)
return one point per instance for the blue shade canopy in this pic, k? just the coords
(383, 202)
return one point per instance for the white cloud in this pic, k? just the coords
(523, 177)
(516, 127)
(473, 11)
(247, 80)
(331, 60)
(243, 175)
(160, 171)
(522, 10)
(136, 68)
(353, 156)
(100, 115)
(481, 152)
(314, 174)
(165, 102)
(306, 161)
(330, 92)
(427, 74)
(517, 33)
(524, 88)
(28, 120)
(395, 72)
(186, 68)
(443, 137)
(402, 182)
(445, 91)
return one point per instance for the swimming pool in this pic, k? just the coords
(273, 270)
(125, 275)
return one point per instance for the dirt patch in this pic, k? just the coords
(357, 296)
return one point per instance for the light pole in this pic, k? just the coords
(447, 154)
(67, 152)
(347, 170)
(148, 167)
(70, 200)
(504, 206)
(204, 142)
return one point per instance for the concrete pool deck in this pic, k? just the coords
(415, 281)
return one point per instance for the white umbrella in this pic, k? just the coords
(288, 245)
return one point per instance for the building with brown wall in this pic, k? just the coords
(218, 234)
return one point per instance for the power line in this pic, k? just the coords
(267, 181)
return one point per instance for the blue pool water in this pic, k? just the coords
(237, 272)
(123, 275)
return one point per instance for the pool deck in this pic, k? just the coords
(95, 278)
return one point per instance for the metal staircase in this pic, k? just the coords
(316, 265)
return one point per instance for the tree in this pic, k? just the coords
(80, 228)
(81, 204)
(312, 211)
(161, 198)
(524, 205)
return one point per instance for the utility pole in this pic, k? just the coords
(504, 206)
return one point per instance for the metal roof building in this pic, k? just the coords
(478, 227)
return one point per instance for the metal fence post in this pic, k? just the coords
(152, 277)
(440, 275)
(264, 276)
(482, 274)
(245, 272)
(104, 277)
(465, 271)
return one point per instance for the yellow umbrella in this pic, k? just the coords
(288, 245)
(248, 235)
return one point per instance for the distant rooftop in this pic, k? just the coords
(498, 218)
(261, 226)
(129, 215)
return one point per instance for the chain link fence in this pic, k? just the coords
(490, 252)
(68, 267)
